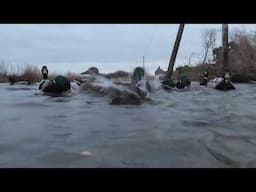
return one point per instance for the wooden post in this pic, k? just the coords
(143, 63)
(175, 51)
(225, 84)
(225, 47)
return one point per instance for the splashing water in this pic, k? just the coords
(202, 127)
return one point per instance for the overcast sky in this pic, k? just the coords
(75, 47)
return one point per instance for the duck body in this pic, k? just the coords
(220, 83)
(120, 94)
(225, 85)
(60, 86)
(205, 79)
(214, 82)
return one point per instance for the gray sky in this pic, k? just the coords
(75, 47)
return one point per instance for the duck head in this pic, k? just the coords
(137, 75)
(44, 72)
(91, 71)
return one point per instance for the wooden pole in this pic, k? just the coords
(143, 63)
(175, 51)
(225, 47)
(225, 84)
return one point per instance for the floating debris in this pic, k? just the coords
(86, 153)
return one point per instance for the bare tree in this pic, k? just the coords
(191, 56)
(3, 70)
(243, 55)
(209, 39)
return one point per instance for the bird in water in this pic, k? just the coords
(131, 94)
(59, 86)
(205, 79)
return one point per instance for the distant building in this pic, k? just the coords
(159, 71)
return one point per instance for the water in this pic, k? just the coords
(199, 127)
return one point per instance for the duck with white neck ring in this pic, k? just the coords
(59, 86)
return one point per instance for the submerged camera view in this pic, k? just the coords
(127, 96)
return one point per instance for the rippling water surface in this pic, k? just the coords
(199, 127)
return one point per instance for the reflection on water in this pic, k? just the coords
(199, 127)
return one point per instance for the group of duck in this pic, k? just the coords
(220, 83)
(135, 92)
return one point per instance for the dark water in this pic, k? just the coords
(200, 127)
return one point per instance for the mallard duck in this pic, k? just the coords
(60, 86)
